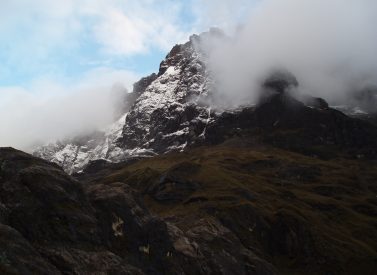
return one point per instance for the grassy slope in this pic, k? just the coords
(301, 213)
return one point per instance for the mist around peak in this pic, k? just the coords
(329, 46)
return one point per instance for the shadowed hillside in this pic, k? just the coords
(234, 208)
(298, 213)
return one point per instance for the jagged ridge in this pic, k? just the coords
(169, 111)
(165, 114)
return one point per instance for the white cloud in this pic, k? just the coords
(225, 14)
(329, 45)
(50, 110)
(121, 35)
(139, 26)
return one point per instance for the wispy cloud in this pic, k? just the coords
(138, 27)
(329, 45)
(49, 110)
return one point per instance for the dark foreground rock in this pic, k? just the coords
(49, 225)
(53, 224)
(229, 209)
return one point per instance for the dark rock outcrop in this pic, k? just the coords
(166, 116)
(284, 121)
(142, 84)
(280, 81)
(50, 225)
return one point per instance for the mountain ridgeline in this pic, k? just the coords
(178, 185)
(173, 110)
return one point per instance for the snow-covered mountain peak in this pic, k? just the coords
(163, 114)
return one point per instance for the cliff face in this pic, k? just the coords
(166, 116)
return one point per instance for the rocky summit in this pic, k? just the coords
(178, 185)
(165, 112)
